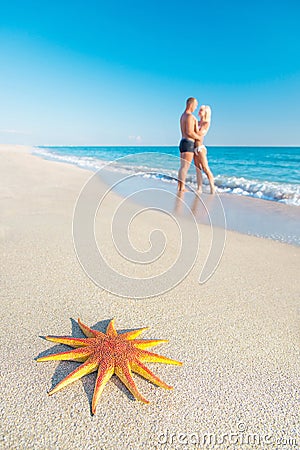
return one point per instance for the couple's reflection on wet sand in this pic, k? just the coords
(179, 204)
(204, 209)
(197, 204)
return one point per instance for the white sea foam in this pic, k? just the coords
(281, 192)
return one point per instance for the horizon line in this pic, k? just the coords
(152, 145)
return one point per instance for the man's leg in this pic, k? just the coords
(185, 162)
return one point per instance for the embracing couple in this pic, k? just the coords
(191, 145)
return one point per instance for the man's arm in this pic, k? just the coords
(191, 125)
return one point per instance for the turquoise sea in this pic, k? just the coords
(269, 173)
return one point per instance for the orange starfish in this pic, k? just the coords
(109, 353)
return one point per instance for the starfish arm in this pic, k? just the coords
(154, 357)
(105, 372)
(78, 354)
(69, 340)
(124, 373)
(88, 331)
(145, 343)
(111, 331)
(88, 367)
(129, 335)
(142, 370)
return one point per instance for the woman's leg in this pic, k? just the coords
(207, 171)
(185, 162)
(198, 173)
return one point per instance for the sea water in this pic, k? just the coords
(269, 173)
(259, 186)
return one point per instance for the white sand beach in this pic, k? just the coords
(237, 334)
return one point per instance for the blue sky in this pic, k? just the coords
(118, 73)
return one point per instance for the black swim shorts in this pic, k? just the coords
(186, 146)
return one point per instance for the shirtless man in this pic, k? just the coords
(190, 133)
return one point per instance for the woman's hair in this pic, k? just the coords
(207, 113)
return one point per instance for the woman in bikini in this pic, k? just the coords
(200, 157)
